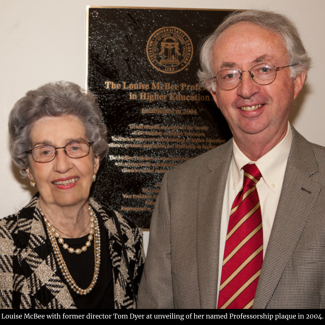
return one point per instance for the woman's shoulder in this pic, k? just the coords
(9, 223)
(108, 213)
(22, 216)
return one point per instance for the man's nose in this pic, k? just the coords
(247, 87)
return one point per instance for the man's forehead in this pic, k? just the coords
(265, 58)
(248, 43)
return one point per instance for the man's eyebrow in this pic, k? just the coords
(227, 65)
(262, 58)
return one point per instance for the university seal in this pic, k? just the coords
(169, 50)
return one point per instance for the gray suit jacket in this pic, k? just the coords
(181, 269)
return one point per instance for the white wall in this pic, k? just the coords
(45, 40)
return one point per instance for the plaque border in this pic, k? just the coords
(131, 7)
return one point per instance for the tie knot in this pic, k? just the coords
(251, 175)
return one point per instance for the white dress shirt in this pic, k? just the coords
(272, 167)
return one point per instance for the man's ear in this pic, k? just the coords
(299, 82)
(214, 95)
(211, 88)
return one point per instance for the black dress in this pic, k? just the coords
(81, 268)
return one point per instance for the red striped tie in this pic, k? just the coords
(243, 255)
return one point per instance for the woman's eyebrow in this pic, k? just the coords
(49, 143)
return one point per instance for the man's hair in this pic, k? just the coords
(266, 19)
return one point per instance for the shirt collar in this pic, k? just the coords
(272, 165)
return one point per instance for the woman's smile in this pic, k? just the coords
(66, 183)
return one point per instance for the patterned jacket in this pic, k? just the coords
(28, 270)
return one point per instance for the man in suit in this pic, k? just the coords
(206, 251)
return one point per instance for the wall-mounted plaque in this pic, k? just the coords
(142, 66)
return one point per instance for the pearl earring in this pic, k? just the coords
(94, 177)
(32, 183)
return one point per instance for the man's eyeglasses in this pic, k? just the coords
(46, 153)
(262, 74)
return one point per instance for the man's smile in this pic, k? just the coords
(250, 108)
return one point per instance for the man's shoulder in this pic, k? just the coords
(308, 158)
(304, 145)
(206, 161)
(319, 152)
(318, 148)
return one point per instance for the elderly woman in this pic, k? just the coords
(64, 250)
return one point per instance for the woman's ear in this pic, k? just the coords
(29, 174)
(96, 165)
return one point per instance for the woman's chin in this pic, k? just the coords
(65, 200)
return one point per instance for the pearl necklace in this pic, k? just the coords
(68, 236)
(94, 233)
(52, 230)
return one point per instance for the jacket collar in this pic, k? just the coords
(211, 187)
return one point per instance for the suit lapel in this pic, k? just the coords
(123, 291)
(211, 189)
(298, 197)
(115, 250)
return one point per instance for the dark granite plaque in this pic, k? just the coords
(142, 66)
